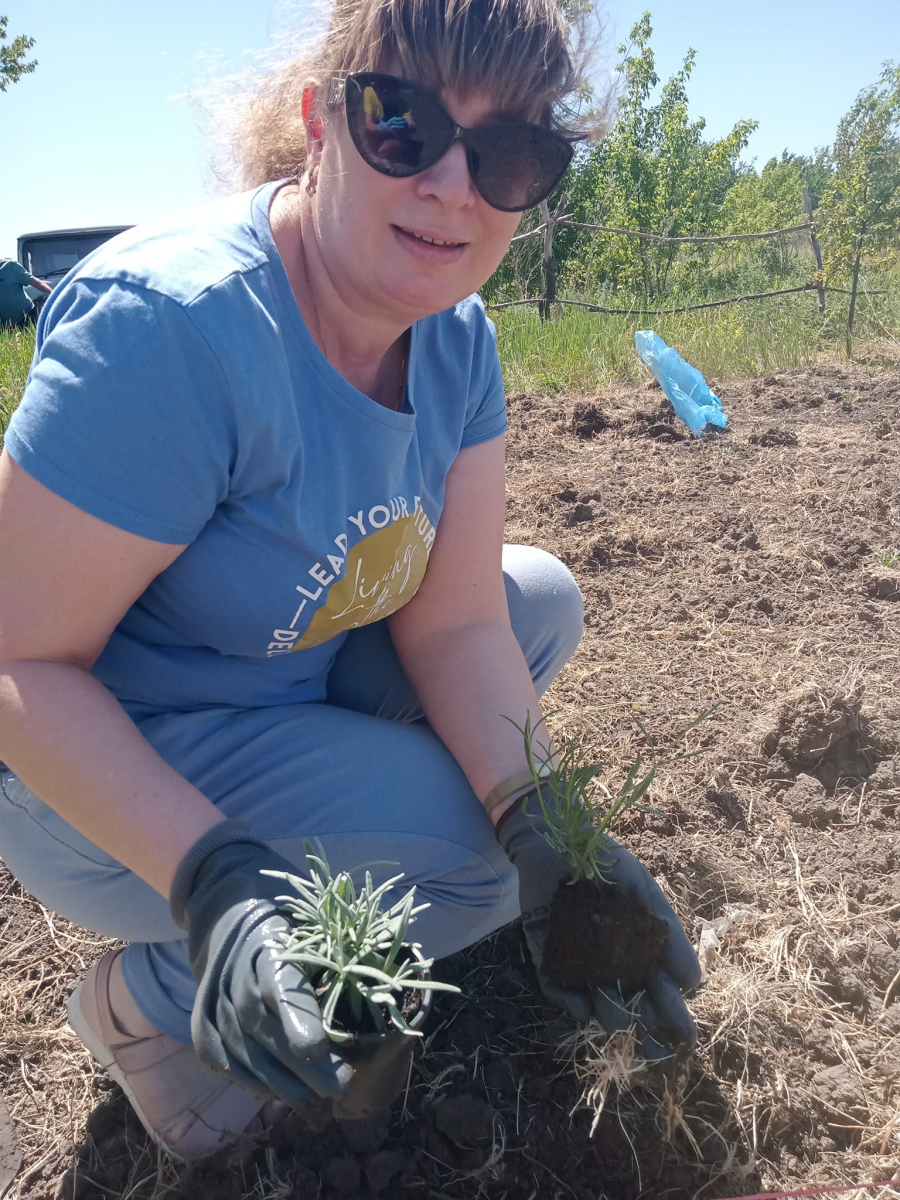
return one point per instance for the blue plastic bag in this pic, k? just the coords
(686, 388)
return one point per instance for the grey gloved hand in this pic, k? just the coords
(662, 1017)
(254, 1020)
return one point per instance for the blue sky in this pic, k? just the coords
(108, 130)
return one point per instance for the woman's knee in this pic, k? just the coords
(460, 873)
(73, 877)
(466, 905)
(546, 609)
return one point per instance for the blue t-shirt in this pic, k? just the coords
(14, 300)
(176, 393)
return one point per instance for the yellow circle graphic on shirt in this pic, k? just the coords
(383, 573)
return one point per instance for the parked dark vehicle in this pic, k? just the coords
(52, 254)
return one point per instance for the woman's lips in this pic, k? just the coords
(427, 251)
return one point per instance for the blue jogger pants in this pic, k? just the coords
(361, 772)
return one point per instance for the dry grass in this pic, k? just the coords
(684, 544)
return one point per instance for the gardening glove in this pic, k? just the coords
(255, 1019)
(660, 1013)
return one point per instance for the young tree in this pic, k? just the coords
(653, 172)
(773, 199)
(860, 211)
(12, 57)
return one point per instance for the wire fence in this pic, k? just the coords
(551, 222)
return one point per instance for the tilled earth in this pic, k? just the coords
(756, 570)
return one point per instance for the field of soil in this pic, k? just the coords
(757, 570)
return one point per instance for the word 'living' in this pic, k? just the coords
(379, 516)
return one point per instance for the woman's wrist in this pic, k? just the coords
(502, 796)
(508, 793)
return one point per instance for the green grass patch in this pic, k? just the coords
(580, 351)
(16, 349)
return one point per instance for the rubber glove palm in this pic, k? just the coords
(660, 1013)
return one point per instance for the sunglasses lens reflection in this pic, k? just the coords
(397, 128)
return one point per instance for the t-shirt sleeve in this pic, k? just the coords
(19, 274)
(486, 413)
(127, 413)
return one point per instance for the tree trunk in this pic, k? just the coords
(853, 304)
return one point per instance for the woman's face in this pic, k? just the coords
(372, 229)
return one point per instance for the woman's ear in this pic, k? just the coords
(312, 120)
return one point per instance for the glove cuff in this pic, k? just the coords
(226, 833)
(514, 821)
(523, 782)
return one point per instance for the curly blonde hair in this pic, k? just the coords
(518, 51)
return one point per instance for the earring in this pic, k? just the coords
(312, 181)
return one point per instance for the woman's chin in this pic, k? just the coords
(422, 297)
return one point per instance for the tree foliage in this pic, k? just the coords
(860, 210)
(772, 199)
(13, 64)
(654, 171)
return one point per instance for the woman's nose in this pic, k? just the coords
(448, 180)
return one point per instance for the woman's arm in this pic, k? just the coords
(66, 580)
(454, 638)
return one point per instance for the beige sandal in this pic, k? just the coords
(186, 1108)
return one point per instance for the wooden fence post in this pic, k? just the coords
(807, 204)
(549, 266)
(853, 290)
(545, 307)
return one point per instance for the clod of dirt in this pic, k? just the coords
(466, 1121)
(883, 584)
(839, 1092)
(568, 494)
(661, 415)
(809, 804)
(382, 1167)
(773, 437)
(886, 776)
(822, 735)
(341, 1175)
(498, 1076)
(599, 553)
(579, 513)
(724, 800)
(65, 1188)
(10, 1155)
(587, 915)
(104, 1122)
(588, 420)
(664, 432)
(367, 1135)
(845, 552)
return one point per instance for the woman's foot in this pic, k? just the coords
(189, 1110)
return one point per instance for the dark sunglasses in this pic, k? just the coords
(400, 128)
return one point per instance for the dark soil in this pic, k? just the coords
(746, 568)
(587, 915)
